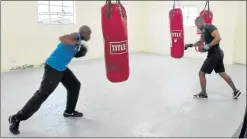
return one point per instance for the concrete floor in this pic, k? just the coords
(156, 101)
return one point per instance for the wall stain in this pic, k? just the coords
(26, 67)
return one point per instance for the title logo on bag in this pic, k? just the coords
(118, 47)
(176, 34)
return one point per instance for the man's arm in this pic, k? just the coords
(70, 39)
(82, 52)
(201, 41)
(215, 34)
(216, 39)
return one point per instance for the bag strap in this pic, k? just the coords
(108, 8)
(207, 4)
(174, 6)
(121, 6)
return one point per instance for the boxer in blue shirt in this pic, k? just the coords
(56, 71)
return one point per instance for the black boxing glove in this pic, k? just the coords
(187, 46)
(82, 51)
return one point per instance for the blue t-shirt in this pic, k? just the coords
(62, 55)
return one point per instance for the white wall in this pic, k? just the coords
(225, 19)
(24, 41)
(239, 53)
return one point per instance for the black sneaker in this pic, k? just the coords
(72, 114)
(201, 95)
(236, 94)
(14, 125)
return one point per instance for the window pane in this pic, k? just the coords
(55, 2)
(191, 23)
(56, 10)
(68, 3)
(192, 16)
(43, 9)
(43, 2)
(68, 11)
(185, 17)
(43, 19)
(56, 19)
(189, 14)
(192, 10)
(185, 10)
(68, 19)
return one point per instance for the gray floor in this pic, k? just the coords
(238, 131)
(156, 101)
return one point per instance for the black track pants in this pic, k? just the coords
(50, 81)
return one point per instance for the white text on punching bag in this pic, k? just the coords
(176, 34)
(118, 47)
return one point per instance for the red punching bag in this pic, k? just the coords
(207, 15)
(115, 34)
(177, 32)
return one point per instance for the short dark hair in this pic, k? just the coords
(85, 28)
(199, 19)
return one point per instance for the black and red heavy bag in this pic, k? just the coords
(115, 34)
(207, 15)
(177, 32)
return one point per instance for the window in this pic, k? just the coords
(189, 14)
(56, 12)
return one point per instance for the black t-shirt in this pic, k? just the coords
(206, 32)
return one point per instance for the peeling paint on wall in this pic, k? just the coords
(22, 67)
(26, 67)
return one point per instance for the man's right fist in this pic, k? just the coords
(187, 46)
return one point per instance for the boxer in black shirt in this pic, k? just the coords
(211, 37)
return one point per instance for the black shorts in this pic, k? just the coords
(214, 62)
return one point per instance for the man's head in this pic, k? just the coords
(199, 21)
(85, 31)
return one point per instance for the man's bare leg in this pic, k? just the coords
(203, 83)
(228, 79)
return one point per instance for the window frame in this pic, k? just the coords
(186, 16)
(49, 13)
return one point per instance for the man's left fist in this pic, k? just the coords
(205, 47)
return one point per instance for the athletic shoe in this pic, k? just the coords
(14, 125)
(236, 94)
(72, 114)
(201, 95)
